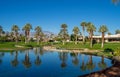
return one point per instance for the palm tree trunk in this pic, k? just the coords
(63, 42)
(38, 40)
(83, 35)
(102, 40)
(76, 40)
(16, 38)
(91, 43)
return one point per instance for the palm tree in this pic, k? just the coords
(83, 24)
(1, 30)
(117, 31)
(63, 32)
(38, 33)
(91, 28)
(11, 36)
(27, 29)
(15, 28)
(103, 29)
(76, 32)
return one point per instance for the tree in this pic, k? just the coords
(76, 31)
(38, 34)
(117, 31)
(90, 29)
(83, 24)
(63, 33)
(15, 28)
(103, 29)
(27, 29)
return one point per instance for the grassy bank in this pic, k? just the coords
(59, 45)
(5, 46)
(97, 46)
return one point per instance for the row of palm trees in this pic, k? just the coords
(89, 27)
(26, 30)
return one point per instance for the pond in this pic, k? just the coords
(39, 63)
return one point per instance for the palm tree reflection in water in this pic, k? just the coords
(63, 57)
(75, 59)
(27, 62)
(102, 64)
(15, 62)
(37, 60)
(90, 65)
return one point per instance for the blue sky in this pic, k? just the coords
(50, 14)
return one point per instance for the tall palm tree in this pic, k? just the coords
(27, 29)
(83, 24)
(1, 30)
(38, 33)
(15, 28)
(76, 32)
(91, 28)
(103, 29)
(63, 32)
(117, 31)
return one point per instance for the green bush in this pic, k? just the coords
(117, 52)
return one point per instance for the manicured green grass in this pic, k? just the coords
(97, 46)
(59, 45)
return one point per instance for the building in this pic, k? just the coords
(108, 38)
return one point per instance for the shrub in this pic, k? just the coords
(108, 50)
(117, 52)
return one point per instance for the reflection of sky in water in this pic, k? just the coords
(48, 64)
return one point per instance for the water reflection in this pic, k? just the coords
(1, 55)
(15, 61)
(63, 58)
(26, 61)
(75, 59)
(76, 63)
(102, 64)
(90, 65)
(38, 60)
(83, 65)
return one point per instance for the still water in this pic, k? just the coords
(39, 63)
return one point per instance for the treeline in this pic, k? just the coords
(63, 35)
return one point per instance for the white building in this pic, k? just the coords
(115, 38)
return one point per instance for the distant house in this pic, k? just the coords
(108, 38)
